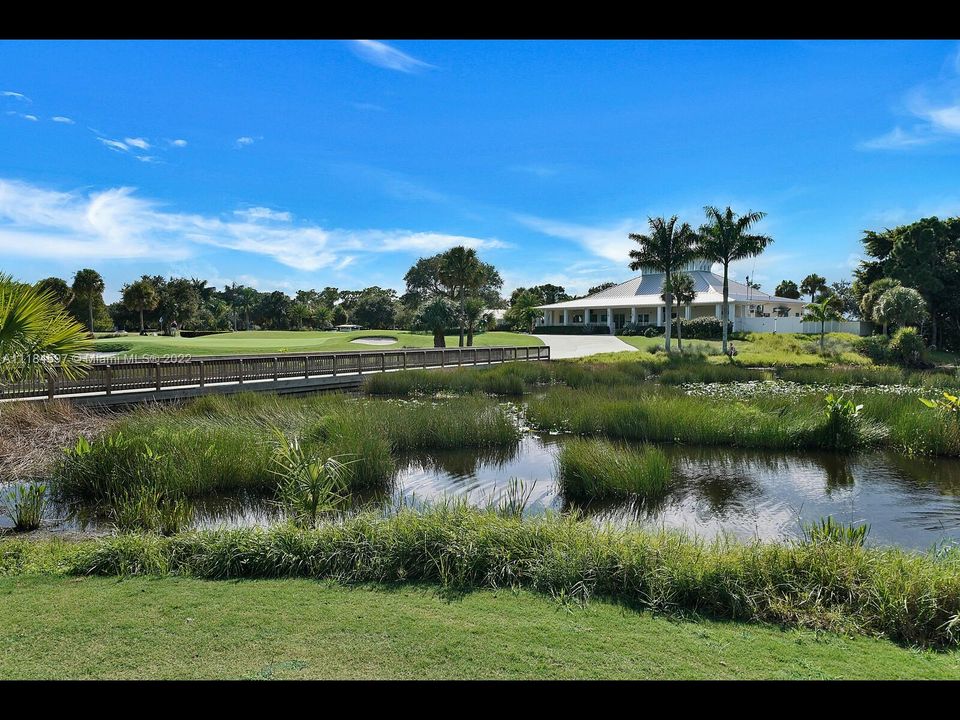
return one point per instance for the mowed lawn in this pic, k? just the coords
(280, 341)
(57, 627)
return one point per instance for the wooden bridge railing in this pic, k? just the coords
(115, 375)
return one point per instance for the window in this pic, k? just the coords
(643, 318)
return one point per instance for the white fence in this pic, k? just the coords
(797, 325)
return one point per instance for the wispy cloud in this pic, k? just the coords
(262, 213)
(115, 145)
(178, 143)
(24, 116)
(137, 142)
(610, 242)
(63, 119)
(245, 140)
(537, 169)
(15, 95)
(934, 108)
(116, 223)
(383, 55)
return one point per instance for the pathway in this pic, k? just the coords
(574, 346)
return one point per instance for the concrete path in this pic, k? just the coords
(573, 346)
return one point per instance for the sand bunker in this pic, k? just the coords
(374, 340)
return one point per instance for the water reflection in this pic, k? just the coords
(913, 502)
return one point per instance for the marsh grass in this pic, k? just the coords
(910, 598)
(226, 444)
(596, 469)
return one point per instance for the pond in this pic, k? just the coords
(911, 502)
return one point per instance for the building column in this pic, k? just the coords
(586, 316)
(633, 315)
(566, 317)
(659, 315)
(688, 312)
(718, 310)
(610, 323)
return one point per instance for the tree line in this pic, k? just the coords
(453, 289)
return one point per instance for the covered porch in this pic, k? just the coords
(616, 317)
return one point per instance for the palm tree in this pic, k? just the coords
(323, 317)
(821, 312)
(523, 312)
(472, 312)
(871, 299)
(37, 334)
(684, 294)
(436, 315)
(666, 249)
(140, 295)
(298, 313)
(725, 237)
(87, 285)
(247, 298)
(461, 271)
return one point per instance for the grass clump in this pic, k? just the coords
(907, 597)
(596, 469)
(25, 506)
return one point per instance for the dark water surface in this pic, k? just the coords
(910, 502)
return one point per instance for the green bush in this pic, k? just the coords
(907, 348)
(704, 328)
(875, 347)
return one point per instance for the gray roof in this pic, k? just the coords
(645, 290)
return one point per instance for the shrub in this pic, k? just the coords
(875, 347)
(704, 328)
(908, 348)
(653, 331)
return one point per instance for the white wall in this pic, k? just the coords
(797, 325)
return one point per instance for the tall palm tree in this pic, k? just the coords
(140, 295)
(88, 285)
(821, 312)
(37, 334)
(726, 237)
(323, 317)
(683, 292)
(460, 271)
(666, 249)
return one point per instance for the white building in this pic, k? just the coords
(639, 301)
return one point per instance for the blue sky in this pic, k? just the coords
(304, 164)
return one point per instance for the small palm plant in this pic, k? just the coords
(25, 506)
(309, 486)
(821, 312)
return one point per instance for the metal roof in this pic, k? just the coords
(645, 290)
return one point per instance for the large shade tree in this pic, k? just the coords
(88, 287)
(725, 238)
(140, 296)
(37, 334)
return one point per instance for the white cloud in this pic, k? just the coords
(179, 142)
(936, 107)
(262, 213)
(15, 95)
(244, 141)
(116, 224)
(898, 139)
(25, 116)
(114, 145)
(31, 118)
(62, 119)
(382, 55)
(610, 242)
(137, 143)
(148, 158)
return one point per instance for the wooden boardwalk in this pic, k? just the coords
(121, 381)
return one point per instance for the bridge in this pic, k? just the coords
(123, 381)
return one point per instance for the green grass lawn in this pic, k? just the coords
(56, 627)
(275, 341)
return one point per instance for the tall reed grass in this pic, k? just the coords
(910, 598)
(596, 469)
